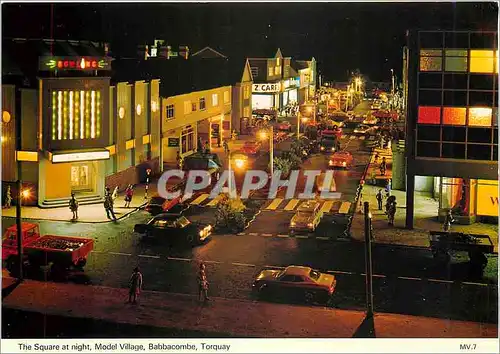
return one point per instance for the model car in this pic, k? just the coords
(342, 159)
(370, 120)
(307, 217)
(328, 144)
(251, 148)
(174, 228)
(306, 282)
(364, 129)
(284, 126)
(158, 205)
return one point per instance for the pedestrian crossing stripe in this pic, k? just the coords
(292, 204)
(328, 206)
(275, 203)
(215, 201)
(200, 199)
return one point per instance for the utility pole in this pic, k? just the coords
(368, 260)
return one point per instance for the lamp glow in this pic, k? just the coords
(82, 113)
(59, 115)
(71, 93)
(263, 135)
(25, 194)
(92, 115)
(240, 163)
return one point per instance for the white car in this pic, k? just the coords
(370, 120)
(364, 129)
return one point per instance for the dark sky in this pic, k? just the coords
(341, 36)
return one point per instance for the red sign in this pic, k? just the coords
(75, 63)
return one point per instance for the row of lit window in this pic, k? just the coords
(474, 116)
(459, 60)
(459, 134)
(76, 114)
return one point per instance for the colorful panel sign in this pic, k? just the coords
(454, 115)
(81, 156)
(74, 63)
(264, 88)
(480, 116)
(487, 198)
(429, 115)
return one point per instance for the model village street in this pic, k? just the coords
(407, 280)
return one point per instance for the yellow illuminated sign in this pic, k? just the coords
(81, 156)
(487, 198)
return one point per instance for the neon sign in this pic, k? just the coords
(74, 63)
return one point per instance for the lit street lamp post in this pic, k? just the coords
(368, 260)
(271, 146)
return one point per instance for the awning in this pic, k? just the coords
(79, 156)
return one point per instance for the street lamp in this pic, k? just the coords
(263, 135)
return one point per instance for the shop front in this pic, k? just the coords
(469, 199)
(266, 96)
(289, 96)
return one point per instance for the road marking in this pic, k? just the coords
(301, 236)
(120, 254)
(200, 199)
(270, 266)
(267, 235)
(322, 238)
(352, 137)
(477, 284)
(215, 201)
(148, 256)
(344, 208)
(292, 204)
(242, 234)
(179, 259)
(409, 278)
(325, 208)
(253, 233)
(379, 276)
(243, 264)
(213, 262)
(274, 205)
(281, 235)
(441, 281)
(93, 251)
(339, 272)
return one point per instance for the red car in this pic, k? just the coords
(341, 159)
(284, 126)
(251, 148)
(332, 132)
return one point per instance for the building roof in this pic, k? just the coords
(299, 64)
(20, 56)
(208, 52)
(179, 76)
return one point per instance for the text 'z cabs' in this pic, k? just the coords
(307, 217)
(303, 282)
(174, 229)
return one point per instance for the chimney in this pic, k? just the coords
(184, 51)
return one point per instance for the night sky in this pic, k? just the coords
(341, 36)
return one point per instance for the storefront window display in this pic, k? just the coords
(455, 195)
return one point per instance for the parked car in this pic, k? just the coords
(284, 126)
(174, 229)
(307, 217)
(370, 120)
(305, 282)
(251, 148)
(342, 159)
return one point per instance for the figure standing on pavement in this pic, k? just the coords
(379, 199)
(73, 206)
(8, 198)
(206, 148)
(129, 193)
(448, 220)
(200, 144)
(226, 147)
(179, 161)
(108, 205)
(202, 283)
(383, 166)
(388, 188)
(391, 212)
(135, 285)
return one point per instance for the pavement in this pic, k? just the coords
(425, 214)
(228, 316)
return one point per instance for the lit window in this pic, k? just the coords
(278, 62)
(187, 107)
(154, 106)
(246, 92)
(138, 109)
(482, 61)
(121, 112)
(226, 96)
(193, 106)
(456, 60)
(429, 115)
(170, 111)
(246, 112)
(454, 115)
(431, 60)
(203, 104)
(215, 100)
(271, 71)
(480, 116)
(277, 70)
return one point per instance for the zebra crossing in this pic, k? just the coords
(353, 137)
(337, 206)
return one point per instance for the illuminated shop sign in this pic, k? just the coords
(263, 88)
(290, 83)
(81, 156)
(75, 63)
(487, 198)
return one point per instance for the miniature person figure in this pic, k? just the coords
(391, 213)
(448, 220)
(178, 159)
(202, 283)
(200, 144)
(383, 166)
(233, 135)
(129, 193)
(379, 199)
(206, 147)
(388, 188)
(8, 198)
(108, 205)
(226, 147)
(73, 206)
(135, 285)
(115, 193)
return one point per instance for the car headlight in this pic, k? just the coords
(322, 148)
(292, 223)
(330, 162)
(333, 149)
(343, 163)
(201, 233)
(310, 225)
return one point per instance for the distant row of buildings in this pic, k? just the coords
(86, 120)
